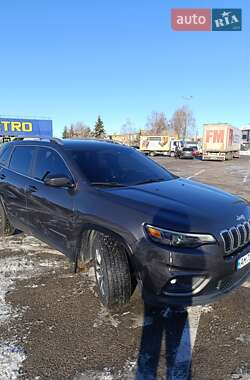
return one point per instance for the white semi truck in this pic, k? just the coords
(221, 142)
(161, 145)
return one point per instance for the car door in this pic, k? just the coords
(13, 182)
(51, 209)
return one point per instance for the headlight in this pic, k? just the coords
(178, 239)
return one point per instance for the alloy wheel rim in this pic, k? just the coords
(99, 271)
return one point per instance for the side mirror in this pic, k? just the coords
(58, 181)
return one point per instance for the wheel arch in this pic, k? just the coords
(83, 246)
(3, 206)
(8, 228)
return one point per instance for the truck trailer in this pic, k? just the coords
(221, 142)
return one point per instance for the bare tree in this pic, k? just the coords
(77, 130)
(157, 124)
(81, 130)
(183, 123)
(129, 133)
(128, 128)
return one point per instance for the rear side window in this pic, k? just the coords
(48, 162)
(21, 159)
(5, 154)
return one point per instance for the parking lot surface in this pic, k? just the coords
(52, 325)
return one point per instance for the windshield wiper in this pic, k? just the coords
(150, 180)
(108, 184)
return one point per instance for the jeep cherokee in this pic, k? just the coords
(107, 204)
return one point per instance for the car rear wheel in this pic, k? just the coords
(112, 271)
(6, 229)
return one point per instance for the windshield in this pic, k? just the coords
(117, 166)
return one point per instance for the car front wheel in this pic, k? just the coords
(6, 229)
(112, 271)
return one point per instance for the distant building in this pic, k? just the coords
(128, 139)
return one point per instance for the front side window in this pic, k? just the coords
(122, 166)
(48, 162)
(21, 159)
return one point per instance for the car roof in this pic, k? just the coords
(90, 143)
(71, 143)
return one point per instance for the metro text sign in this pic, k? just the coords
(25, 127)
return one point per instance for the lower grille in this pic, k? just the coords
(231, 280)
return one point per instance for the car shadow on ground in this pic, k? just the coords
(165, 338)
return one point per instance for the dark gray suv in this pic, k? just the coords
(107, 204)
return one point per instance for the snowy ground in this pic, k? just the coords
(15, 267)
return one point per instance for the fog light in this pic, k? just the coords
(185, 285)
(172, 282)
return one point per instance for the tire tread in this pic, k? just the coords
(117, 269)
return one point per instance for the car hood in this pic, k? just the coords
(184, 205)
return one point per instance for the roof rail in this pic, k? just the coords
(31, 138)
(56, 140)
(52, 139)
(109, 141)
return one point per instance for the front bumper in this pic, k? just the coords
(214, 156)
(187, 277)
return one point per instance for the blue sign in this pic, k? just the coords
(226, 20)
(25, 127)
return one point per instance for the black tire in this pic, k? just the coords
(112, 270)
(6, 229)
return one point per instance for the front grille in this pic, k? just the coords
(236, 237)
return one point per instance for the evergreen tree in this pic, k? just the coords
(71, 131)
(99, 131)
(65, 132)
